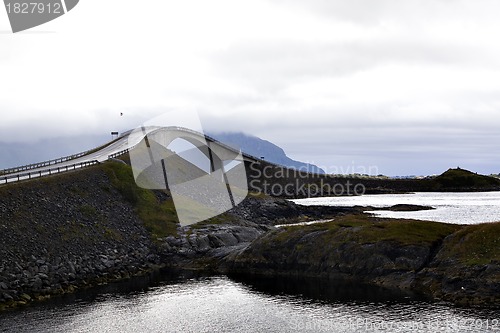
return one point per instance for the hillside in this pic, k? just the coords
(460, 178)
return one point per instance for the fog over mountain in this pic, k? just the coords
(263, 149)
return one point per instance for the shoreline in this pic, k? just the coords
(96, 226)
(433, 280)
(28, 300)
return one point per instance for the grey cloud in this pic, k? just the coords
(274, 65)
(393, 153)
(408, 148)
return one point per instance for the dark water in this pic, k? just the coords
(169, 303)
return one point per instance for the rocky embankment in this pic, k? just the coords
(67, 232)
(449, 262)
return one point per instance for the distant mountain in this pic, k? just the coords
(257, 147)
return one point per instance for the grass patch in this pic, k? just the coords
(405, 232)
(365, 229)
(258, 195)
(475, 244)
(88, 211)
(111, 234)
(326, 241)
(457, 178)
(159, 218)
(223, 218)
(193, 210)
(72, 231)
(72, 189)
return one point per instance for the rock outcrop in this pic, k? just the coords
(411, 255)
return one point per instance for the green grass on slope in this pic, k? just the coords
(464, 178)
(475, 244)
(159, 217)
(365, 230)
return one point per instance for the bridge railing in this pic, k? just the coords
(4, 179)
(54, 161)
(117, 154)
(41, 164)
(210, 138)
(236, 150)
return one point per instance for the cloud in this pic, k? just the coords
(370, 80)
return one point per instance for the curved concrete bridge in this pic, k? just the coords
(215, 151)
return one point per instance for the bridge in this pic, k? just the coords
(198, 193)
(217, 152)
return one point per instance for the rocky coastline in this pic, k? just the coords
(390, 253)
(94, 226)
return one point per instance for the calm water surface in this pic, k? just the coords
(222, 304)
(458, 208)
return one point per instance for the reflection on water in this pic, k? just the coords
(324, 290)
(457, 208)
(237, 304)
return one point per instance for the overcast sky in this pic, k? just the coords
(400, 87)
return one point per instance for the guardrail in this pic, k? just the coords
(120, 153)
(45, 172)
(41, 164)
(56, 160)
(212, 139)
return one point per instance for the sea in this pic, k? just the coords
(456, 208)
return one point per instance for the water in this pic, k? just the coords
(222, 304)
(457, 208)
